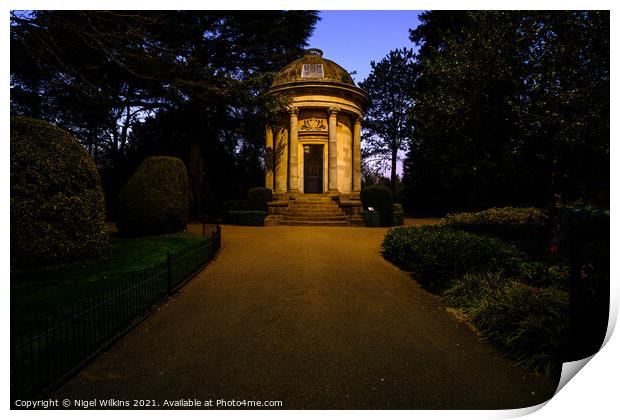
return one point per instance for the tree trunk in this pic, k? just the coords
(196, 170)
(125, 129)
(393, 175)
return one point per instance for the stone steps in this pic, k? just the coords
(314, 198)
(285, 222)
(302, 218)
(313, 216)
(314, 210)
(313, 203)
(319, 210)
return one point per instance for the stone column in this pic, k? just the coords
(332, 150)
(293, 176)
(270, 167)
(357, 155)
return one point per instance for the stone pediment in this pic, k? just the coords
(313, 124)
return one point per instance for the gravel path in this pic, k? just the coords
(313, 317)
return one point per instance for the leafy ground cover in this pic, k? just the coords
(516, 300)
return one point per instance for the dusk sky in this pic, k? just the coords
(353, 38)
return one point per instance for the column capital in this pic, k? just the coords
(293, 111)
(333, 110)
(359, 119)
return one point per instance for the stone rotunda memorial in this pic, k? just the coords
(313, 150)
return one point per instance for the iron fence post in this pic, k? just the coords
(169, 276)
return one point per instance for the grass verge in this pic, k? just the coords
(36, 292)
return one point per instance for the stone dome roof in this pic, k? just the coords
(327, 70)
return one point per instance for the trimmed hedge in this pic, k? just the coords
(156, 199)
(436, 255)
(498, 217)
(528, 323)
(258, 198)
(380, 199)
(526, 227)
(57, 205)
(234, 205)
(373, 219)
(399, 215)
(246, 218)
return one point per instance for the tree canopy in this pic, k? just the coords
(510, 108)
(387, 130)
(121, 80)
(495, 108)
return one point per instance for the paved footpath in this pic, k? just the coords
(313, 317)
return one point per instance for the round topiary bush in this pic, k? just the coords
(156, 199)
(57, 206)
(379, 198)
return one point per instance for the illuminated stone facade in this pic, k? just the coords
(314, 148)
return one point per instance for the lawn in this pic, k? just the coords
(35, 292)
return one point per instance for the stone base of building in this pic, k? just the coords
(272, 220)
(315, 210)
(352, 208)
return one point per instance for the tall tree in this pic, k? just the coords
(564, 113)
(104, 75)
(386, 127)
(506, 106)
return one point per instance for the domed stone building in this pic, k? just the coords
(313, 150)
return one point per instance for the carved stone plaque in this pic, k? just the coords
(313, 124)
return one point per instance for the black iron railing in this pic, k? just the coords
(46, 351)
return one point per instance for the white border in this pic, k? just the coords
(592, 394)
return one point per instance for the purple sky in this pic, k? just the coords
(353, 38)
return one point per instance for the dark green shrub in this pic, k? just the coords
(437, 255)
(156, 198)
(470, 292)
(234, 205)
(504, 216)
(380, 199)
(585, 243)
(373, 219)
(585, 232)
(399, 215)
(527, 228)
(539, 274)
(247, 218)
(529, 324)
(258, 198)
(57, 206)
